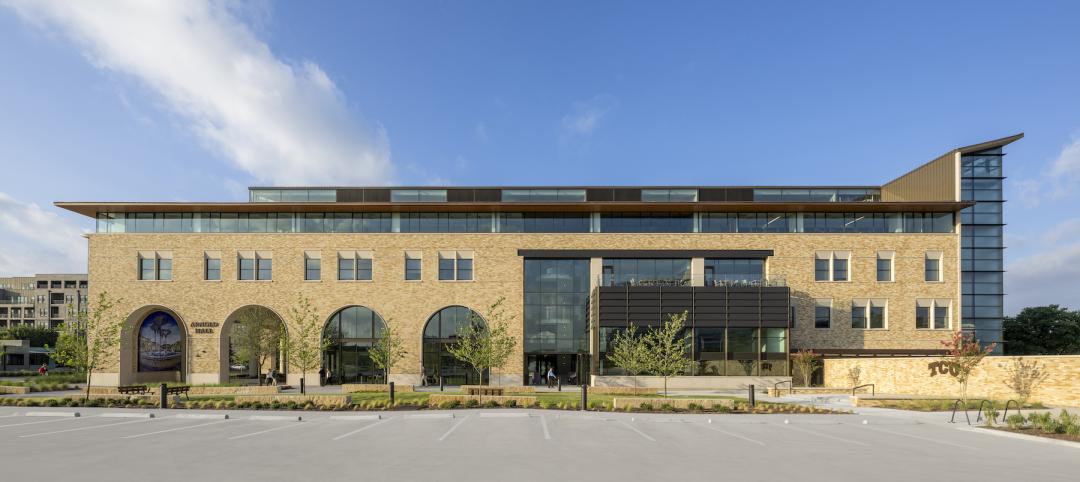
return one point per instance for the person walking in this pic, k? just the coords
(270, 380)
(551, 377)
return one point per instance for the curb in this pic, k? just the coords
(1021, 436)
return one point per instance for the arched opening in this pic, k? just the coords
(159, 340)
(441, 330)
(254, 341)
(352, 331)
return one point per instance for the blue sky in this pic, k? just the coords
(195, 101)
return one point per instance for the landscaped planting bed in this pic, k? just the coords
(1064, 426)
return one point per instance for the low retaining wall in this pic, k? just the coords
(199, 391)
(687, 383)
(10, 390)
(911, 376)
(374, 387)
(623, 391)
(333, 400)
(680, 403)
(521, 400)
(506, 388)
(779, 392)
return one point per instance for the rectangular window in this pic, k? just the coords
(455, 266)
(822, 313)
(869, 314)
(354, 265)
(885, 266)
(413, 265)
(312, 266)
(832, 265)
(858, 314)
(254, 266)
(933, 266)
(212, 269)
(346, 268)
(933, 314)
(154, 266)
(877, 315)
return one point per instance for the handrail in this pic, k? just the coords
(791, 388)
(953, 418)
(873, 389)
(981, 404)
(1018, 407)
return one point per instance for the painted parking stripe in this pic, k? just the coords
(824, 435)
(275, 429)
(82, 428)
(361, 429)
(639, 432)
(65, 419)
(504, 415)
(543, 424)
(456, 425)
(927, 439)
(175, 429)
(733, 434)
(53, 414)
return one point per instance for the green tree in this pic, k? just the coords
(805, 362)
(92, 340)
(1023, 377)
(485, 348)
(388, 350)
(963, 352)
(666, 348)
(1043, 330)
(36, 335)
(256, 336)
(307, 346)
(627, 349)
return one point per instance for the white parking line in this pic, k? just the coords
(361, 429)
(456, 425)
(53, 414)
(82, 428)
(252, 434)
(543, 423)
(928, 439)
(504, 415)
(732, 434)
(825, 435)
(639, 432)
(41, 421)
(175, 429)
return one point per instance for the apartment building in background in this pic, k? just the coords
(42, 300)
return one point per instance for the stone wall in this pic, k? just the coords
(498, 272)
(911, 376)
(688, 383)
(621, 403)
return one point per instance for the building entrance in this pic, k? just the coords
(570, 368)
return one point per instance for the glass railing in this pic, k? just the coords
(725, 281)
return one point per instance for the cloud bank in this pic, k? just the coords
(281, 122)
(37, 241)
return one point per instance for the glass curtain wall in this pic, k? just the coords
(646, 272)
(981, 248)
(556, 318)
(719, 351)
(443, 329)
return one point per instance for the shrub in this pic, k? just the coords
(545, 404)
(491, 404)
(1073, 430)
(646, 406)
(667, 407)
(275, 404)
(472, 403)
(991, 414)
(511, 403)
(694, 407)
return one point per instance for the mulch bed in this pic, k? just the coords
(1039, 433)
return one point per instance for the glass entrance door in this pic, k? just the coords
(570, 368)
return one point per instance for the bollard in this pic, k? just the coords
(752, 402)
(442, 383)
(391, 393)
(301, 385)
(559, 379)
(584, 397)
(163, 394)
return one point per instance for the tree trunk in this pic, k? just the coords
(88, 373)
(665, 386)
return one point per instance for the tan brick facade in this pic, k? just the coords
(497, 272)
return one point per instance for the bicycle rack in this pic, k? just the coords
(1003, 415)
(966, 416)
(981, 405)
(873, 389)
(791, 388)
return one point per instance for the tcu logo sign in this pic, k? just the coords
(943, 367)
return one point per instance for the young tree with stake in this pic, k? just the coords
(666, 349)
(307, 347)
(627, 349)
(485, 348)
(388, 350)
(92, 341)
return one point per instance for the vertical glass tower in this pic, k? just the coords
(981, 245)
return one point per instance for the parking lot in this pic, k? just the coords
(519, 445)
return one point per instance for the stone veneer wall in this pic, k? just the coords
(911, 376)
(498, 273)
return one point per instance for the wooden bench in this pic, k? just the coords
(133, 390)
(178, 391)
(485, 391)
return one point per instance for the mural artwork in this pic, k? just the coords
(159, 343)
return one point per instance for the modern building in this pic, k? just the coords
(47, 300)
(875, 270)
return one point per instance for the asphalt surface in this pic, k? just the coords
(514, 445)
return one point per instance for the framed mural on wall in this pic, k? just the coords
(160, 343)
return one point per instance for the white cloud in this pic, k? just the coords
(1049, 275)
(1057, 182)
(38, 241)
(1066, 168)
(586, 116)
(284, 123)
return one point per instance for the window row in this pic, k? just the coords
(836, 266)
(351, 265)
(539, 222)
(873, 314)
